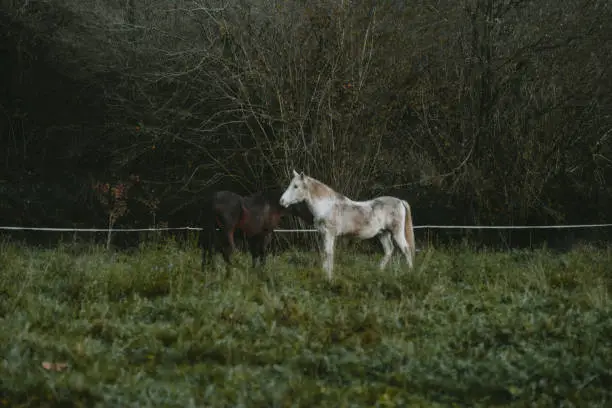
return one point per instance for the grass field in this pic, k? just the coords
(85, 327)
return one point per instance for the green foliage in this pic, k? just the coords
(463, 328)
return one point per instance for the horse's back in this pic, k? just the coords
(392, 207)
(227, 204)
(225, 196)
(388, 200)
(367, 218)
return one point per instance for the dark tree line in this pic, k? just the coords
(476, 111)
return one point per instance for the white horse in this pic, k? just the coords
(336, 215)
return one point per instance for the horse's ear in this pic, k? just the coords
(295, 173)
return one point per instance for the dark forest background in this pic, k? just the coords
(475, 111)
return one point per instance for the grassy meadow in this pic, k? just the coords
(81, 326)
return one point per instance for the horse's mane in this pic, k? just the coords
(320, 189)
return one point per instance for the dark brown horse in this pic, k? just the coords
(256, 216)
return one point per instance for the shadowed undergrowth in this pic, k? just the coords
(465, 328)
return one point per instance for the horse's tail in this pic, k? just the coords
(409, 229)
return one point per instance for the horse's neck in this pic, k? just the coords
(320, 204)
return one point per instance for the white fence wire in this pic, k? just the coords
(14, 228)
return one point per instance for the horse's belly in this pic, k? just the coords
(249, 227)
(368, 233)
(365, 232)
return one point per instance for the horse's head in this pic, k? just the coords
(297, 191)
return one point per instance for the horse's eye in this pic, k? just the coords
(295, 186)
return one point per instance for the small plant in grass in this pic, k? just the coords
(114, 199)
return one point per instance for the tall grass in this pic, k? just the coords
(148, 329)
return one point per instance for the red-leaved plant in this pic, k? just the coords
(114, 199)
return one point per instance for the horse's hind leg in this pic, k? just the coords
(400, 240)
(387, 244)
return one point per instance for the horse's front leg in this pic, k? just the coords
(258, 245)
(265, 243)
(328, 253)
(254, 249)
(229, 246)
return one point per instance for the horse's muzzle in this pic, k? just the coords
(282, 202)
